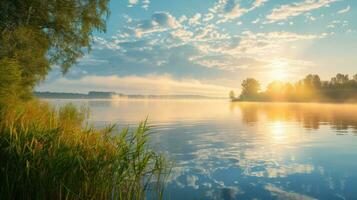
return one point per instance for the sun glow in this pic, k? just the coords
(278, 131)
(279, 70)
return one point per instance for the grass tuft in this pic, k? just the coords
(49, 153)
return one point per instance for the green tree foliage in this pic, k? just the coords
(39, 34)
(250, 88)
(9, 80)
(28, 50)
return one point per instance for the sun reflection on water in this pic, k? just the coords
(278, 131)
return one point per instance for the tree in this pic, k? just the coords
(355, 77)
(232, 95)
(250, 88)
(9, 81)
(39, 34)
(341, 78)
(275, 88)
(312, 81)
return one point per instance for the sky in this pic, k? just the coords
(207, 47)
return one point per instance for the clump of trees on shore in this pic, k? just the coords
(340, 88)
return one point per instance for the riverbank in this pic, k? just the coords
(49, 153)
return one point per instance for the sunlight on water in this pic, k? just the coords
(278, 131)
(224, 150)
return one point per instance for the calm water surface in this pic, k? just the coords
(224, 150)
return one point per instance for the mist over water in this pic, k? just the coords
(224, 150)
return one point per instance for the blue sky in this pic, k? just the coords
(207, 47)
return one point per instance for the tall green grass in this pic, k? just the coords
(48, 153)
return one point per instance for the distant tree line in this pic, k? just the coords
(340, 88)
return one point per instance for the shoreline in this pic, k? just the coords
(297, 102)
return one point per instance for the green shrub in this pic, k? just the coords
(49, 153)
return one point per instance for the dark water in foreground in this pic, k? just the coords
(226, 150)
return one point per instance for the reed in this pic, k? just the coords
(49, 153)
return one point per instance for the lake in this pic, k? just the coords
(224, 150)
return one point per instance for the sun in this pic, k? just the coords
(279, 70)
(279, 74)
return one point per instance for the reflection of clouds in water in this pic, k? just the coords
(223, 151)
(283, 171)
(249, 152)
(283, 195)
(227, 193)
(259, 152)
(191, 181)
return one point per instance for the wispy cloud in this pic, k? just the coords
(282, 194)
(346, 10)
(195, 20)
(159, 22)
(227, 62)
(144, 3)
(132, 2)
(287, 11)
(208, 46)
(228, 10)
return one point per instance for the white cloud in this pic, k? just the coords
(195, 20)
(256, 21)
(182, 34)
(231, 9)
(165, 19)
(346, 10)
(159, 22)
(159, 38)
(287, 11)
(247, 51)
(208, 17)
(183, 18)
(227, 62)
(144, 3)
(133, 2)
(101, 43)
(209, 33)
(211, 46)
(259, 3)
(256, 44)
(149, 84)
